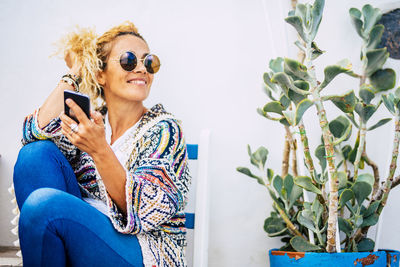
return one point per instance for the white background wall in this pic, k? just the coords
(214, 54)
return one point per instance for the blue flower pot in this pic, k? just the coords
(380, 258)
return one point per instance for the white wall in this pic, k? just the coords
(214, 54)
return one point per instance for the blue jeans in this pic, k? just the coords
(58, 228)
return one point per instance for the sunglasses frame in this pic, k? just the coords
(138, 59)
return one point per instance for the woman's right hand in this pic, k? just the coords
(72, 62)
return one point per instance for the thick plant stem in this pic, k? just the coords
(383, 192)
(375, 170)
(393, 165)
(286, 155)
(293, 149)
(360, 149)
(334, 181)
(306, 149)
(289, 224)
(330, 156)
(308, 158)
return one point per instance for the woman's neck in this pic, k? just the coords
(123, 116)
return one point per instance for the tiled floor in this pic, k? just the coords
(8, 257)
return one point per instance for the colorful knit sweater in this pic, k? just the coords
(156, 187)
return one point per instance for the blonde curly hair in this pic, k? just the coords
(92, 52)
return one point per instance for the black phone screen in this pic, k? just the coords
(83, 101)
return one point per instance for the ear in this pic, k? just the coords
(101, 78)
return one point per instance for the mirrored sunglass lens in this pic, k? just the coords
(128, 61)
(152, 63)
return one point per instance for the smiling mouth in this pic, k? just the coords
(138, 82)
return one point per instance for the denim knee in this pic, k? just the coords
(35, 151)
(37, 208)
(32, 154)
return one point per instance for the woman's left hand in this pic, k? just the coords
(89, 135)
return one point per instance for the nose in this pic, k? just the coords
(140, 68)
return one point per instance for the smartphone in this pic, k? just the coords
(83, 101)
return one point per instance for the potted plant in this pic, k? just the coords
(330, 208)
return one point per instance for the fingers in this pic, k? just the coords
(97, 118)
(80, 115)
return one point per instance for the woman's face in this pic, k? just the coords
(119, 84)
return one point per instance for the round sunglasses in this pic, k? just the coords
(129, 61)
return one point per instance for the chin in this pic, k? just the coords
(135, 96)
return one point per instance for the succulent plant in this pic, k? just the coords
(341, 196)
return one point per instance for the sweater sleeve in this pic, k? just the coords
(32, 132)
(156, 188)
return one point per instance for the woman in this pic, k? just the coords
(130, 165)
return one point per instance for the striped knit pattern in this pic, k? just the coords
(156, 187)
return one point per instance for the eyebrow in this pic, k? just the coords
(144, 55)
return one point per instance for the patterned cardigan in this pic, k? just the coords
(156, 187)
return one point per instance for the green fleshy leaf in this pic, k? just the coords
(301, 245)
(317, 209)
(345, 226)
(320, 154)
(366, 177)
(338, 127)
(397, 92)
(366, 245)
(365, 111)
(268, 91)
(345, 196)
(274, 225)
(247, 172)
(371, 17)
(285, 102)
(297, 23)
(306, 183)
(389, 103)
(274, 107)
(371, 209)
(379, 124)
(306, 221)
(270, 174)
(275, 198)
(283, 80)
(355, 16)
(277, 183)
(270, 85)
(346, 150)
(375, 36)
(261, 155)
(290, 116)
(342, 177)
(370, 220)
(343, 66)
(284, 122)
(383, 79)
(361, 191)
(316, 15)
(295, 97)
(296, 69)
(346, 102)
(375, 60)
(366, 94)
(276, 65)
(315, 52)
(288, 184)
(301, 109)
(293, 191)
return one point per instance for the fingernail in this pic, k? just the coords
(68, 101)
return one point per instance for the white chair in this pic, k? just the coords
(197, 210)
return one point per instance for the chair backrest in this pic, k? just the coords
(197, 210)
